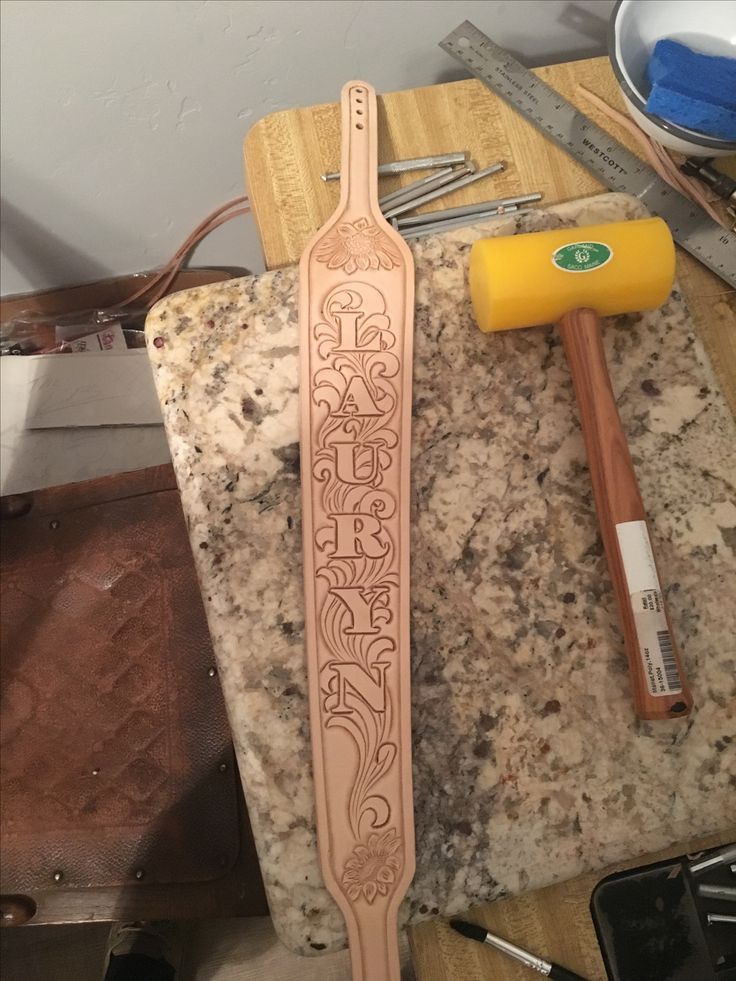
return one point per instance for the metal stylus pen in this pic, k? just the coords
(547, 968)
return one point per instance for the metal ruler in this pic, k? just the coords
(597, 150)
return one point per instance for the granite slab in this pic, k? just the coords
(529, 765)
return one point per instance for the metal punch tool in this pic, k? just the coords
(722, 857)
(431, 228)
(415, 163)
(446, 176)
(464, 210)
(422, 182)
(399, 209)
(725, 893)
(720, 918)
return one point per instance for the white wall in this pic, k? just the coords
(123, 120)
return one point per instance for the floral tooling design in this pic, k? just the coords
(373, 866)
(354, 455)
(357, 245)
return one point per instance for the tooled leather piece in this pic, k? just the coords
(356, 320)
(113, 730)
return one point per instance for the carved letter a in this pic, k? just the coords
(357, 400)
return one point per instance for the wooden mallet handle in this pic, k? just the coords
(659, 687)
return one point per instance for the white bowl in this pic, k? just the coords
(708, 26)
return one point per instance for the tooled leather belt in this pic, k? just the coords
(356, 307)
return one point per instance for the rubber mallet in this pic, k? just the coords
(573, 276)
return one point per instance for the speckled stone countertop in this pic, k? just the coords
(529, 766)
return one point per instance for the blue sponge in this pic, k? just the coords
(694, 90)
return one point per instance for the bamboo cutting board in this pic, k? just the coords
(554, 922)
(286, 152)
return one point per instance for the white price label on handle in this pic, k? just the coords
(652, 632)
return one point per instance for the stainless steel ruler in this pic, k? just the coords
(597, 150)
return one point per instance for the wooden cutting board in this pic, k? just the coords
(285, 152)
(554, 923)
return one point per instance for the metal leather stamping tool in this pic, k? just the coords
(448, 177)
(447, 189)
(721, 918)
(422, 182)
(413, 163)
(466, 209)
(433, 228)
(721, 184)
(724, 893)
(718, 858)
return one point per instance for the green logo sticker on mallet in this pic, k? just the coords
(582, 256)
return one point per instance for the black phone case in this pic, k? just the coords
(652, 924)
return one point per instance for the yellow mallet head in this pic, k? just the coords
(523, 280)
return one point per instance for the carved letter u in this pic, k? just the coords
(351, 464)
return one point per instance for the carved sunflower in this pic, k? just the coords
(372, 867)
(357, 245)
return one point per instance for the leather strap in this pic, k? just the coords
(356, 307)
